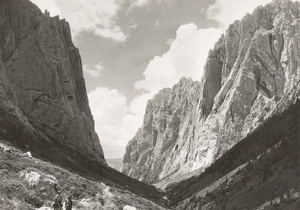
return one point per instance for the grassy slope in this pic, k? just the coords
(270, 176)
(16, 192)
(60, 155)
(280, 168)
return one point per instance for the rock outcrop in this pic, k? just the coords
(252, 70)
(161, 138)
(43, 100)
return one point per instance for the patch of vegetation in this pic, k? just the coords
(276, 144)
(27, 183)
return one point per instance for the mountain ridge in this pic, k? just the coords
(247, 75)
(44, 108)
(43, 79)
(267, 160)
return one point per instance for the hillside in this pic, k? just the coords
(28, 183)
(248, 74)
(260, 172)
(44, 107)
(229, 141)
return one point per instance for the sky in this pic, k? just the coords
(131, 49)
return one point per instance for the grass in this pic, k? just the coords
(48, 149)
(275, 172)
(16, 192)
(276, 129)
(271, 176)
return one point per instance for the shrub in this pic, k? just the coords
(34, 200)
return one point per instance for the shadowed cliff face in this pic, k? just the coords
(252, 70)
(42, 90)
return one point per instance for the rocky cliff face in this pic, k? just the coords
(168, 122)
(252, 70)
(42, 90)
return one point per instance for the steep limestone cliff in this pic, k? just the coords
(162, 138)
(252, 70)
(43, 101)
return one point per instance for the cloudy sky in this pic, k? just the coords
(130, 49)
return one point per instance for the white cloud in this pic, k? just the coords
(115, 121)
(107, 105)
(97, 16)
(139, 3)
(138, 104)
(142, 3)
(170, 41)
(94, 71)
(227, 11)
(186, 57)
(120, 121)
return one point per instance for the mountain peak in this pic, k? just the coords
(42, 87)
(247, 76)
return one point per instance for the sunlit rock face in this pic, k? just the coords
(252, 70)
(42, 89)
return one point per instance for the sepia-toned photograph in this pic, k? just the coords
(149, 105)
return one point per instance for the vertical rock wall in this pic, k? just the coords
(252, 70)
(42, 80)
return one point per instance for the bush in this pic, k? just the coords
(12, 189)
(16, 190)
(34, 200)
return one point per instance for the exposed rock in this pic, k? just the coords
(43, 97)
(250, 74)
(27, 154)
(129, 208)
(41, 181)
(162, 138)
(30, 183)
(5, 148)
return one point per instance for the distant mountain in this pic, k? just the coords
(252, 70)
(114, 162)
